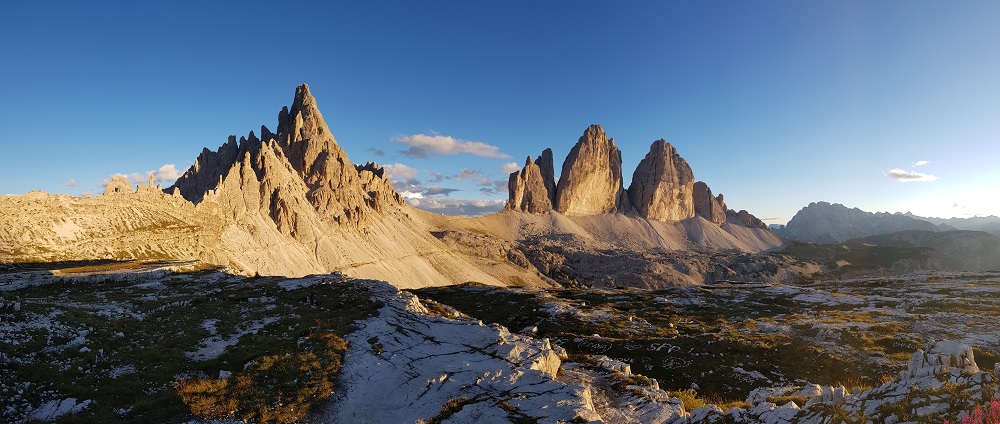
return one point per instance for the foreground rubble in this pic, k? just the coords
(410, 364)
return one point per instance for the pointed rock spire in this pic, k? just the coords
(662, 185)
(527, 188)
(302, 132)
(547, 170)
(708, 207)
(591, 179)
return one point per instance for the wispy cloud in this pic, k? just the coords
(909, 176)
(423, 146)
(509, 167)
(921, 162)
(434, 191)
(401, 174)
(436, 177)
(376, 152)
(469, 174)
(459, 207)
(70, 184)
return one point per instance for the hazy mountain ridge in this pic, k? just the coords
(989, 224)
(823, 222)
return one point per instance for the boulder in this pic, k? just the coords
(591, 179)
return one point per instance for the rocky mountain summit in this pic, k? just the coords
(663, 186)
(591, 179)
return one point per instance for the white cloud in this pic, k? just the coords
(70, 184)
(921, 162)
(411, 194)
(423, 146)
(909, 176)
(509, 167)
(401, 174)
(458, 207)
(166, 174)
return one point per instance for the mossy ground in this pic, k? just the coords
(125, 343)
(729, 339)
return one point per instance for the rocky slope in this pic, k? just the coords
(822, 222)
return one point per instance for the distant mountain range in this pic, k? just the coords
(955, 244)
(823, 222)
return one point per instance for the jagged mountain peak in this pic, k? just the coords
(333, 186)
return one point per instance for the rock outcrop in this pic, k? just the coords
(119, 184)
(708, 207)
(662, 185)
(745, 219)
(532, 189)
(404, 366)
(591, 179)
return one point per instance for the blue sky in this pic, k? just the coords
(773, 103)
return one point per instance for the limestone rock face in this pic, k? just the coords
(547, 169)
(532, 189)
(708, 207)
(207, 171)
(663, 185)
(591, 179)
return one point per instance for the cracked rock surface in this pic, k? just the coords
(405, 365)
